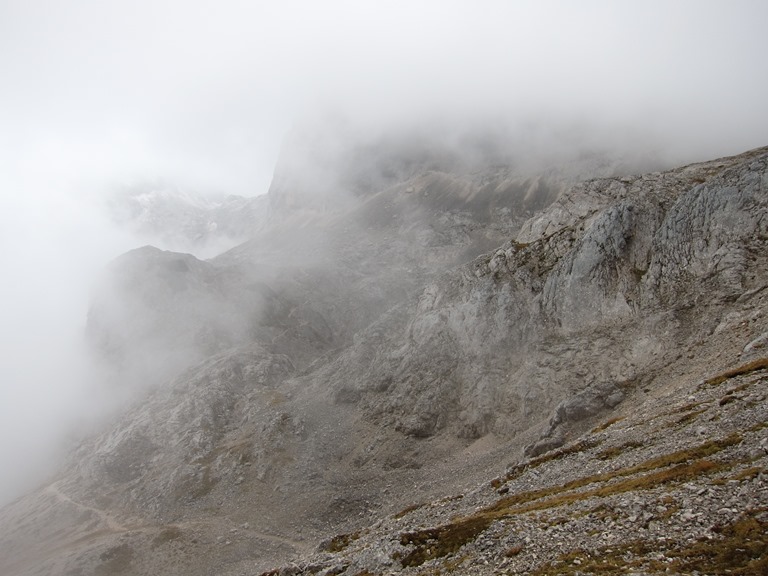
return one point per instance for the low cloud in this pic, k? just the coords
(98, 95)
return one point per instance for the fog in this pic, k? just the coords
(97, 95)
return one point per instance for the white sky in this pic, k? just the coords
(201, 93)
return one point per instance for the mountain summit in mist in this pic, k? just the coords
(434, 356)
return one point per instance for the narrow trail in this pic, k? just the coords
(108, 519)
(54, 554)
(221, 525)
(226, 527)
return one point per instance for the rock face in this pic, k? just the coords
(493, 344)
(400, 340)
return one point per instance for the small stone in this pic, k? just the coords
(756, 453)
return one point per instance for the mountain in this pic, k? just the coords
(183, 220)
(433, 359)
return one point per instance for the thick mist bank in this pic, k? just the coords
(98, 96)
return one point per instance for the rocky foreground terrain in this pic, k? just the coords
(434, 366)
(676, 484)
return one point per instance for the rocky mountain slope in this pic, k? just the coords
(470, 369)
(675, 485)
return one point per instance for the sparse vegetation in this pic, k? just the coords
(614, 451)
(686, 407)
(408, 509)
(574, 448)
(340, 542)
(607, 424)
(680, 466)
(687, 418)
(754, 366)
(749, 473)
(741, 550)
(443, 540)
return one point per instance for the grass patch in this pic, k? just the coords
(443, 540)
(679, 473)
(741, 550)
(607, 424)
(686, 407)
(678, 466)
(614, 451)
(675, 458)
(748, 368)
(741, 387)
(408, 510)
(757, 427)
(339, 542)
(574, 448)
(749, 473)
(689, 417)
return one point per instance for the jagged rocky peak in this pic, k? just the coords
(331, 163)
(187, 221)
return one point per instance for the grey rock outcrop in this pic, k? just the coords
(493, 344)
